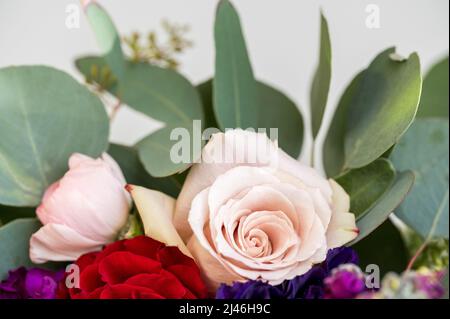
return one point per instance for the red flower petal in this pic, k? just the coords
(166, 284)
(143, 246)
(170, 255)
(191, 279)
(121, 265)
(90, 278)
(125, 291)
(86, 260)
(109, 249)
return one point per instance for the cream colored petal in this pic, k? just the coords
(156, 211)
(212, 269)
(342, 228)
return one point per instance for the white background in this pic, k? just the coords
(282, 37)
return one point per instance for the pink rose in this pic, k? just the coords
(82, 211)
(262, 215)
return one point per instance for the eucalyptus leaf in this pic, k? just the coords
(334, 144)
(15, 244)
(381, 210)
(367, 184)
(128, 160)
(383, 247)
(322, 78)
(382, 108)
(235, 90)
(164, 95)
(434, 99)
(45, 117)
(107, 37)
(276, 110)
(424, 149)
(205, 90)
(160, 93)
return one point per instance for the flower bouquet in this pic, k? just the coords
(215, 204)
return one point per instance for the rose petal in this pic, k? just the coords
(235, 181)
(212, 269)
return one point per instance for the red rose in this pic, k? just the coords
(138, 268)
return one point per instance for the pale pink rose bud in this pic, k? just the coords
(82, 211)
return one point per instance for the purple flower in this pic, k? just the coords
(430, 285)
(346, 282)
(34, 283)
(307, 286)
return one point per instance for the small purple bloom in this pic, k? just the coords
(34, 283)
(307, 286)
(345, 282)
(430, 285)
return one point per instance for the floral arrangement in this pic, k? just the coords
(215, 204)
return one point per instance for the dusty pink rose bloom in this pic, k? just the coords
(82, 211)
(259, 214)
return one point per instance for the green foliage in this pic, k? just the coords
(367, 184)
(435, 254)
(15, 243)
(107, 37)
(382, 108)
(160, 93)
(388, 202)
(128, 160)
(383, 247)
(156, 52)
(235, 89)
(334, 144)
(322, 78)
(434, 99)
(45, 117)
(424, 149)
(275, 110)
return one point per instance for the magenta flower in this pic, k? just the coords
(346, 282)
(34, 283)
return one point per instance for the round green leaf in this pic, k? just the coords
(367, 184)
(14, 244)
(107, 37)
(424, 149)
(382, 108)
(45, 116)
(381, 210)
